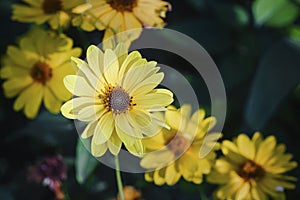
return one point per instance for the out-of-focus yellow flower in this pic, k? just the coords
(116, 16)
(252, 169)
(56, 12)
(115, 94)
(35, 71)
(176, 152)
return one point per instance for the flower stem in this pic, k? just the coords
(119, 180)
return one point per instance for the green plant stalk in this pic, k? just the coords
(119, 180)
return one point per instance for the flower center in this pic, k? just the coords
(122, 5)
(51, 6)
(41, 72)
(251, 170)
(117, 99)
(177, 144)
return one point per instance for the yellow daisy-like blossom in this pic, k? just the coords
(35, 71)
(176, 152)
(115, 93)
(116, 16)
(56, 12)
(252, 169)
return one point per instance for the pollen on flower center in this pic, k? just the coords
(116, 99)
(41, 72)
(51, 6)
(251, 170)
(122, 5)
(178, 144)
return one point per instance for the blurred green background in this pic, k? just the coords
(256, 46)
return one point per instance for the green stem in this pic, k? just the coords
(119, 180)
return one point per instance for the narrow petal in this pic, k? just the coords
(124, 125)
(173, 118)
(159, 98)
(159, 176)
(89, 129)
(130, 59)
(98, 150)
(111, 66)
(78, 86)
(95, 58)
(91, 112)
(265, 150)
(51, 102)
(147, 85)
(139, 118)
(172, 175)
(121, 52)
(71, 108)
(114, 143)
(15, 85)
(104, 129)
(33, 103)
(157, 159)
(246, 146)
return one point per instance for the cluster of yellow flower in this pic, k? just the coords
(115, 93)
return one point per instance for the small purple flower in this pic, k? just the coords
(50, 172)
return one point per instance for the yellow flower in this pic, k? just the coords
(56, 12)
(116, 16)
(35, 71)
(115, 94)
(252, 169)
(176, 152)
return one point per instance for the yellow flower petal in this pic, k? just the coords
(121, 52)
(51, 102)
(114, 144)
(85, 71)
(78, 86)
(98, 150)
(132, 24)
(111, 66)
(173, 119)
(71, 108)
(14, 86)
(130, 59)
(265, 150)
(243, 191)
(159, 176)
(159, 98)
(126, 139)
(139, 118)
(91, 112)
(104, 129)
(149, 176)
(137, 148)
(89, 129)
(135, 74)
(56, 83)
(157, 159)
(172, 175)
(246, 146)
(116, 22)
(147, 85)
(95, 60)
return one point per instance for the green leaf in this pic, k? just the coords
(207, 34)
(48, 128)
(230, 14)
(275, 13)
(277, 75)
(85, 163)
